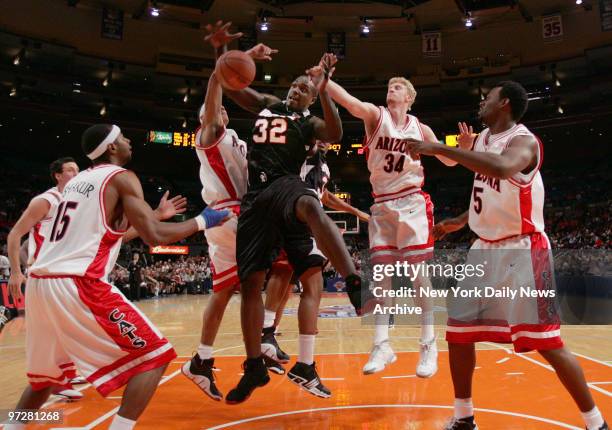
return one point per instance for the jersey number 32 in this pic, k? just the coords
(270, 131)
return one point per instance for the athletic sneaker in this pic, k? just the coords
(461, 424)
(5, 316)
(78, 380)
(201, 373)
(67, 394)
(428, 359)
(306, 376)
(603, 427)
(255, 375)
(270, 348)
(273, 366)
(381, 355)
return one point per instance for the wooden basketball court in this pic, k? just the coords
(511, 391)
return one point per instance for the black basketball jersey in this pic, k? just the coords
(279, 145)
(315, 172)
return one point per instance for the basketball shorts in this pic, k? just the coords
(402, 229)
(514, 301)
(88, 324)
(222, 251)
(268, 223)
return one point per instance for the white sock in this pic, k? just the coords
(269, 317)
(427, 328)
(306, 352)
(593, 419)
(120, 423)
(381, 332)
(205, 351)
(464, 408)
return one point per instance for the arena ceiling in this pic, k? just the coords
(340, 14)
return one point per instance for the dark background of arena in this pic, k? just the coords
(59, 74)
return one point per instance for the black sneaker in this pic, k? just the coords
(461, 424)
(201, 373)
(255, 375)
(273, 366)
(306, 377)
(270, 348)
(360, 295)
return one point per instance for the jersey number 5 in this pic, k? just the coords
(477, 199)
(62, 220)
(272, 131)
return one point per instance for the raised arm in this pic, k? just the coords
(34, 213)
(520, 155)
(362, 110)
(330, 129)
(247, 98)
(212, 126)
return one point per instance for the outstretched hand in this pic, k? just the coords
(261, 52)
(466, 136)
(219, 35)
(322, 73)
(169, 208)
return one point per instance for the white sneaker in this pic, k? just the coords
(428, 359)
(381, 355)
(78, 380)
(70, 395)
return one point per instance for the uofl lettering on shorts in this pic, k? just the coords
(88, 324)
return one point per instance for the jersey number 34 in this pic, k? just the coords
(271, 131)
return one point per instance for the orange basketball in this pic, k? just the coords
(235, 70)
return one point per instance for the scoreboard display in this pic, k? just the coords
(344, 196)
(171, 138)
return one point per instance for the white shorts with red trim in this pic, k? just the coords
(401, 229)
(222, 250)
(530, 322)
(90, 324)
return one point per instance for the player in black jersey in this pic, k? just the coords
(278, 203)
(315, 173)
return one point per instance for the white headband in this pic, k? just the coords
(101, 148)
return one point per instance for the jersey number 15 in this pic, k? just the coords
(271, 131)
(62, 220)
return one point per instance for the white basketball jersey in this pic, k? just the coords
(223, 170)
(502, 208)
(80, 242)
(41, 230)
(393, 173)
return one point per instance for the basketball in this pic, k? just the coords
(235, 70)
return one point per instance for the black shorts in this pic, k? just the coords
(268, 222)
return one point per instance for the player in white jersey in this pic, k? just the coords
(36, 220)
(74, 314)
(400, 227)
(223, 174)
(506, 212)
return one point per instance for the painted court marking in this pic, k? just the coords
(306, 411)
(398, 377)
(593, 385)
